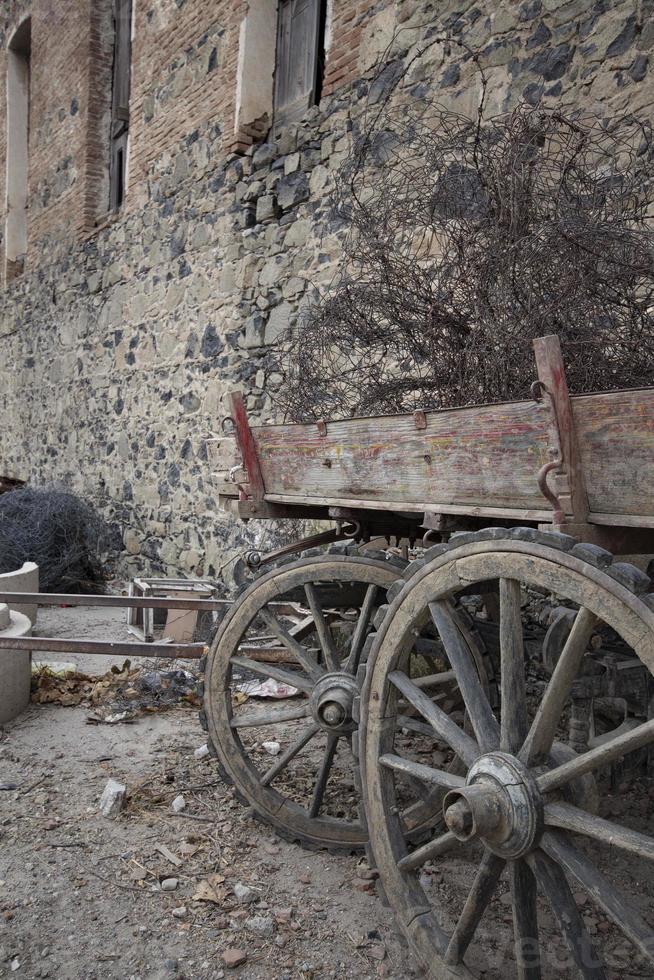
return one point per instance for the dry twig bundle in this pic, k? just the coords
(58, 531)
(467, 239)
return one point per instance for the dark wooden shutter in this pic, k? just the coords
(120, 99)
(298, 56)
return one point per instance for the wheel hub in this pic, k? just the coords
(332, 700)
(500, 804)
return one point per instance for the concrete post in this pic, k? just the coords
(25, 579)
(15, 666)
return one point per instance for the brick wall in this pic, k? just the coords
(118, 343)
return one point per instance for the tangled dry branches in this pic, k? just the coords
(58, 531)
(466, 240)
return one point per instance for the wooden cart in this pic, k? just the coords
(468, 740)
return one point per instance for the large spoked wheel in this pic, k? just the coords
(297, 635)
(503, 887)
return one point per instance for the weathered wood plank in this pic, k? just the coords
(615, 433)
(551, 372)
(314, 502)
(472, 457)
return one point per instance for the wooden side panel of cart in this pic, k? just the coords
(467, 460)
(582, 462)
(615, 436)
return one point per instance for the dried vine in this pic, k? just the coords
(465, 242)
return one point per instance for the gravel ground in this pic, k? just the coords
(209, 892)
(81, 895)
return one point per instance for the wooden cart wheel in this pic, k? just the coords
(522, 816)
(306, 791)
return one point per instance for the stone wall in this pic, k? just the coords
(116, 346)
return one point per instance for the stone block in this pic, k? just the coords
(291, 163)
(292, 190)
(278, 322)
(252, 336)
(267, 209)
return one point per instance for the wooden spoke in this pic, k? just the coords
(597, 758)
(543, 729)
(425, 774)
(327, 644)
(435, 680)
(461, 743)
(361, 629)
(481, 715)
(600, 890)
(514, 697)
(290, 753)
(525, 921)
(412, 725)
(302, 656)
(290, 677)
(556, 889)
(257, 719)
(323, 775)
(570, 817)
(428, 852)
(484, 885)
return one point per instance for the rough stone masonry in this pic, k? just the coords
(123, 332)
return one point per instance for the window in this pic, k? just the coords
(120, 102)
(18, 114)
(299, 63)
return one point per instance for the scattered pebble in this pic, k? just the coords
(178, 804)
(260, 925)
(272, 748)
(169, 884)
(180, 911)
(202, 752)
(112, 800)
(244, 894)
(234, 957)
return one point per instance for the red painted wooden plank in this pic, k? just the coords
(246, 445)
(551, 372)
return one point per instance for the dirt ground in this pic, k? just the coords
(153, 894)
(82, 896)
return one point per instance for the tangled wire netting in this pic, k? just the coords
(58, 531)
(467, 238)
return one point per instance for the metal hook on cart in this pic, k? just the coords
(537, 389)
(433, 535)
(352, 529)
(547, 492)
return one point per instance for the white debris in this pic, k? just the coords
(15, 965)
(272, 748)
(202, 752)
(113, 798)
(119, 716)
(169, 884)
(269, 688)
(178, 804)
